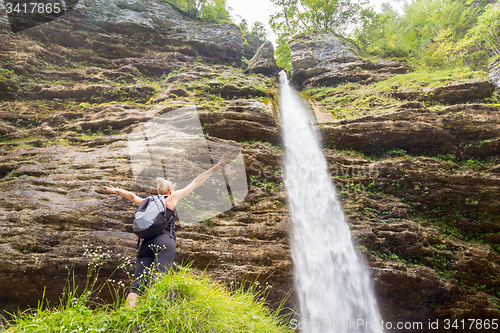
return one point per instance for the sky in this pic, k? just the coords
(259, 10)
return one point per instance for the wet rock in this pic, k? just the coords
(8, 90)
(231, 129)
(216, 40)
(393, 281)
(91, 93)
(129, 69)
(171, 92)
(251, 46)
(451, 94)
(241, 110)
(418, 131)
(263, 62)
(327, 59)
(46, 219)
(232, 90)
(44, 131)
(7, 129)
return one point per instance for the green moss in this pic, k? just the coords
(90, 137)
(429, 79)
(60, 142)
(354, 100)
(29, 138)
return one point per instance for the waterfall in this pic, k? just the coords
(332, 283)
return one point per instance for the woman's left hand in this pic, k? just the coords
(110, 188)
(223, 158)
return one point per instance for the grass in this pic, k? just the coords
(177, 302)
(354, 100)
(30, 138)
(431, 79)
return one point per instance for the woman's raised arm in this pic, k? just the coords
(177, 195)
(129, 195)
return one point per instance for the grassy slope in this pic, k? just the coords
(180, 302)
(353, 100)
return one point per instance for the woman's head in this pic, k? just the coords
(164, 186)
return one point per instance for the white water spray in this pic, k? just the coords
(333, 285)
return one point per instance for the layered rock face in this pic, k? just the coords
(53, 203)
(128, 29)
(72, 91)
(263, 62)
(251, 46)
(467, 131)
(325, 59)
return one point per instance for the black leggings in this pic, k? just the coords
(160, 251)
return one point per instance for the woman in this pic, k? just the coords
(160, 249)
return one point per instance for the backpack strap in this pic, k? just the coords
(139, 241)
(172, 223)
(173, 217)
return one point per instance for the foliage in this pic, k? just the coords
(485, 35)
(282, 53)
(371, 29)
(208, 10)
(243, 25)
(479, 60)
(258, 29)
(177, 302)
(329, 15)
(432, 33)
(297, 16)
(354, 100)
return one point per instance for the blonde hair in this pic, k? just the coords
(164, 186)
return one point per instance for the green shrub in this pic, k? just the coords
(479, 61)
(177, 302)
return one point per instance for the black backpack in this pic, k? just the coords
(151, 218)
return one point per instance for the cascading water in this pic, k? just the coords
(333, 285)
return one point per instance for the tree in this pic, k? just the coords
(430, 32)
(283, 20)
(329, 15)
(485, 35)
(243, 25)
(258, 29)
(215, 10)
(209, 10)
(296, 16)
(282, 52)
(191, 7)
(371, 29)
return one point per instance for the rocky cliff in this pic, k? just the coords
(416, 166)
(324, 60)
(73, 89)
